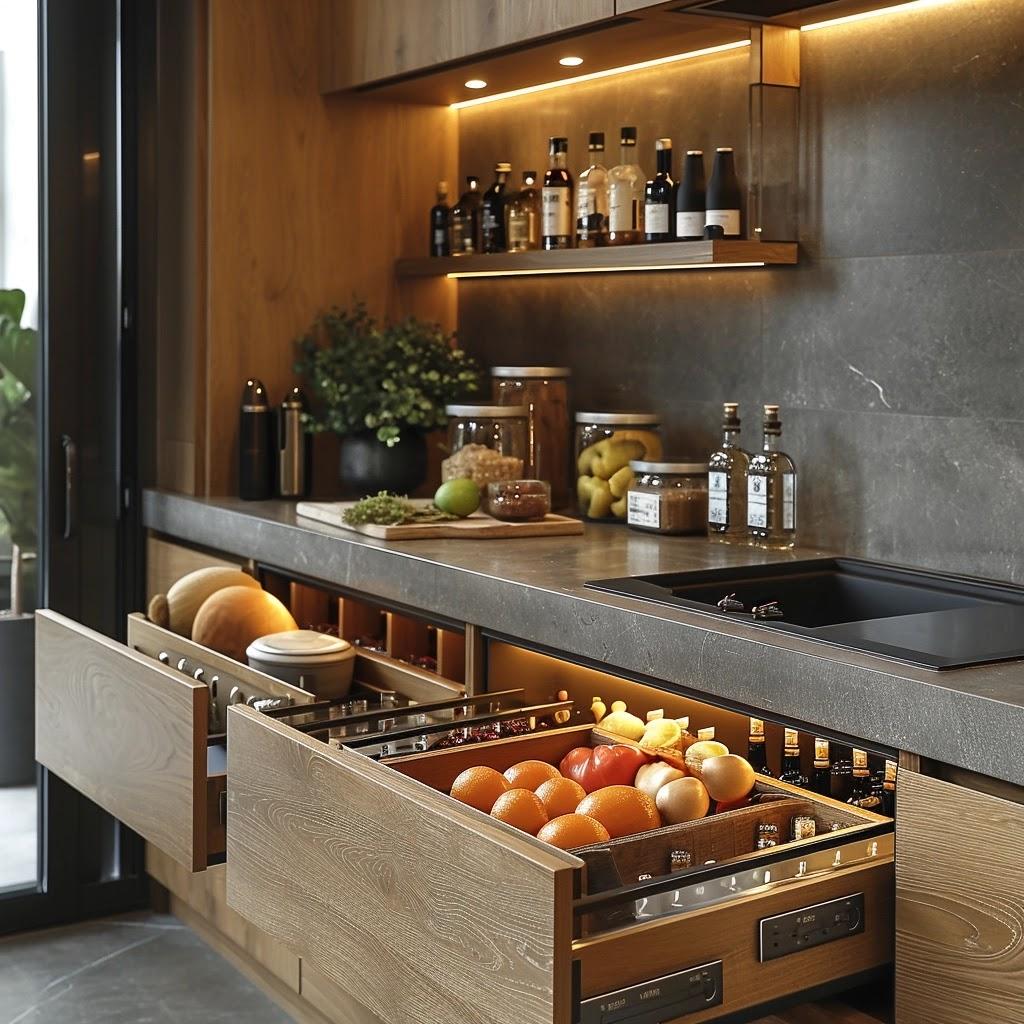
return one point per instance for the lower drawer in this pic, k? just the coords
(426, 910)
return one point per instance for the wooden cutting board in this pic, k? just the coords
(476, 527)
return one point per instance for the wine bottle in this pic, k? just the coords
(791, 771)
(440, 223)
(492, 211)
(523, 216)
(690, 199)
(724, 200)
(821, 777)
(466, 219)
(556, 198)
(660, 197)
(757, 753)
(592, 197)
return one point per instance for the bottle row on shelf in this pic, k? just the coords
(620, 206)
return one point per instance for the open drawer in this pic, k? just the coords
(425, 910)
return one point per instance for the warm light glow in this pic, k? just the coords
(91, 156)
(476, 83)
(571, 62)
(596, 270)
(593, 75)
(912, 5)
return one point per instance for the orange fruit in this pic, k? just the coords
(530, 774)
(521, 808)
(479, 787)
(569, 831)
(560, 796)
(623, 810)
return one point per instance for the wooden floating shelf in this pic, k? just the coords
(609, 259)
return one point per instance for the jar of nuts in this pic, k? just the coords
(487, 443)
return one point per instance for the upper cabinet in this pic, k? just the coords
(370, 40)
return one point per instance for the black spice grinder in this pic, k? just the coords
(255, 444)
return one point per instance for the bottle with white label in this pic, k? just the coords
(724, 199)
(727, 483)
(592, 197)
(690, 198)
(626, 182)
(660, 197)
(771, 490)
(556, 206)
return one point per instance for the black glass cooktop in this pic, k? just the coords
(914, 615)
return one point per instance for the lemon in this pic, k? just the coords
(458, 498)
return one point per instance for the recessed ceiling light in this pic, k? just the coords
(476, 83)
(570, 62)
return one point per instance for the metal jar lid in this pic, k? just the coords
(487, 412)
(620, 419)
(669, 468)
(530, 371)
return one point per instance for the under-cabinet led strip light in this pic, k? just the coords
(597, 270)
(846, 19)
(594, 75)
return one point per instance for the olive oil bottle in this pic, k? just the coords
(727, 483)
(771, 490)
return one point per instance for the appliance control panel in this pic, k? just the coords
(812, 926)
(658, 1000)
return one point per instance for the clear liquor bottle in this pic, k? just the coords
(727, 483)
(440, 223)
(771, 490)
(660, 197)
(791, 771)
(626, 184)
(523, 216)
(466, 219)
(556, 198)
(757, 752)
(492, 211)
(592, 198)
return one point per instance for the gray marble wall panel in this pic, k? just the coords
(895, 348)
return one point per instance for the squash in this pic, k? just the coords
(177, 610)
(232, 618)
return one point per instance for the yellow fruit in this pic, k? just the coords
(620, 482)
(560, 796)
(697, 754)
(623, 810)
(728, 777)
(232, 618)
(613, 455)
(651, 777)
(600, 500)
(622, 723)
(620, 508)
(683, 800)
(662, 732)
(585, 490)
(479, 787)
(187, 595)
(569, 831)
(530, 774)
(585, 459)
(522, 809)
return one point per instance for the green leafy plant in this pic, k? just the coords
(18, 445)
(387, 378)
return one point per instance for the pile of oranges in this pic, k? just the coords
(534, 797)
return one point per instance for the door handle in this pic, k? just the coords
(70, 466)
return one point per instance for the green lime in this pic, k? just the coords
(458, 498)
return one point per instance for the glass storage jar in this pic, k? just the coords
(544, 390)
(668, 497)
(606, 443)
(486, 443)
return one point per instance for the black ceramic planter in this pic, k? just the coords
(17, 693)
(369, 466)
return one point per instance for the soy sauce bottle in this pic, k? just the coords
(724, 200)
(690, 199)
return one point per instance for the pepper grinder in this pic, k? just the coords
(294, 452)
(255, 461)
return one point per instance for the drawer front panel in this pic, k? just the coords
(126, 731)
(417, 909)
(959, 905)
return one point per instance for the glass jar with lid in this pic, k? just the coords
(544, 390)
(606, 443)
(668, 497)
(486, 443)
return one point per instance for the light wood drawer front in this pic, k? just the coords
(126, 731)
(959, 905)
(422, 913)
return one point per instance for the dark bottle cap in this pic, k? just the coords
(295, 399)
(502, 167)
(627, 136)
(529, 174)
(772, 423)
(695, 152)
(663, 144)
(558, 144)
(731, 415)
(254, 396)
(472, 181)
(712, 231)
(596, 142)
(442, 190)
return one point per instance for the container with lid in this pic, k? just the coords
(606, 443)
(668, 497)
(544, 390)
(486, 443)
(313, 661)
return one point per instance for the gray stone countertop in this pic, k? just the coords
(532, 589)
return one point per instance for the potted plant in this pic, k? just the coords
(381, 387)
(18, 526)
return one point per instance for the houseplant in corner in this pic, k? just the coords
(18, 525)
(381, 387)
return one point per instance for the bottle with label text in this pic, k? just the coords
(690, 198)
(724, 199)
(757, 751)
(440, 223)
(791, 771)
(466, 219)
(556, 205)
(771, 490)
(862, 791)
(889, 789)
(727, 483)
(492, 211)
(592, 197)
(821, 777)
(523, 216)
(842, 772)
(660, 197)
(626, 184)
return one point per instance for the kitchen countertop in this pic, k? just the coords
(532, 589)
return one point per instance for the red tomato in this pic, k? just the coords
(596, 767)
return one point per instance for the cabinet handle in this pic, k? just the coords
(70, 466)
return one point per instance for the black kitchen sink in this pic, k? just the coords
(926, 618)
